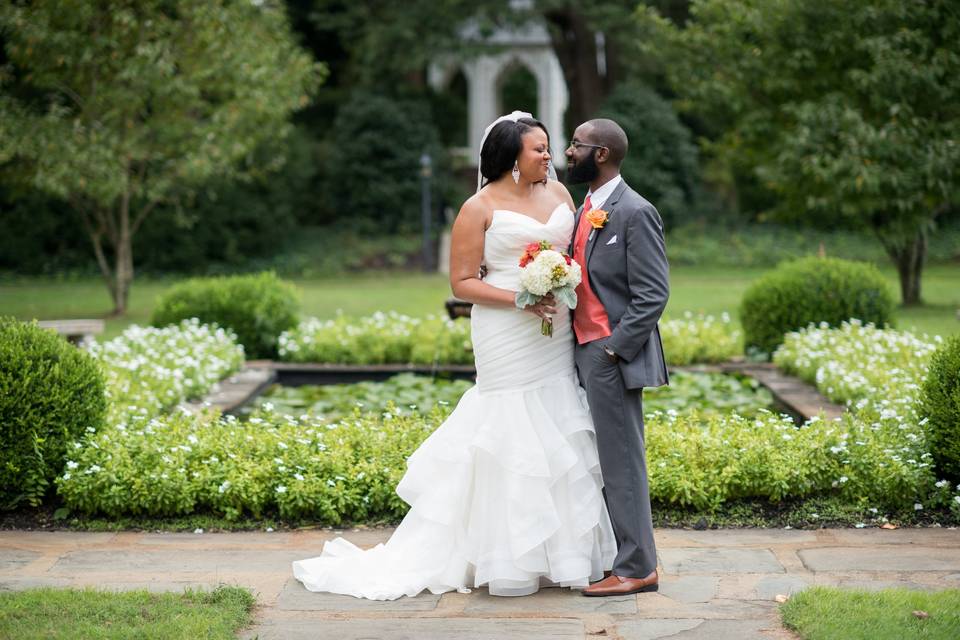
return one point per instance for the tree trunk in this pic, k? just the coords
(123, 259)
(575, 44)
(909, 258)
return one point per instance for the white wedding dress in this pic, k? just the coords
(507, 491)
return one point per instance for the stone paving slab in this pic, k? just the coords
(743, 537)
(418, 629)
(701, 630)
(654, 629)
(770, 587)
(552, 600)
(948, 536)
(719, 560)
(657, 606)
(217, 540)
(910, 558)
(42, 539)
(689, 588)
(12, 559)
(295, 597)
(180, 561)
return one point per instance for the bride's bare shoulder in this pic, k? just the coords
(559, 191)
(476, 210)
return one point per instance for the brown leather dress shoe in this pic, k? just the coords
(618, 586)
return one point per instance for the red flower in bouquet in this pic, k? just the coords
(532, 250)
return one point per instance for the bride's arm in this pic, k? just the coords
(466, 254)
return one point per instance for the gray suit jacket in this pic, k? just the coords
(626, 266)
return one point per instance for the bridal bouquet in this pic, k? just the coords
(544, 270)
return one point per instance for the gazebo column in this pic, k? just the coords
(481, 76)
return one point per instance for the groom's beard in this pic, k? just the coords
(584, 171)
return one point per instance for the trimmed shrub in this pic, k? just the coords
(257, 308)
(940, 405)
(812, 291)
(50, 394)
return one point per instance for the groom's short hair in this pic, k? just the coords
(611, 135)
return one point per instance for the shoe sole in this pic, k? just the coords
(650, 588)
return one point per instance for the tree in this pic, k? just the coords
(120, 106)
(662, 158)
(846, 110)
(386, 42)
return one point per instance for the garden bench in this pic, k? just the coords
(457, 308)
(76, 331)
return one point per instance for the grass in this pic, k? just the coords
(705, 289)
(822, 613)
(89, 614)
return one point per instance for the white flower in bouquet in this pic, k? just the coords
(544, 270)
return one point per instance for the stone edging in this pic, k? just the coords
(790, 393)
(232, 393)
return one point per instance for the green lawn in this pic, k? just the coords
(73, 614)
(693, 288)
(823, 613)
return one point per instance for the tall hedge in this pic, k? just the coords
(51, 393)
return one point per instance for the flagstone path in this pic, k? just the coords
(719, 584)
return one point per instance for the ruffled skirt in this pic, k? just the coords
(506, 493)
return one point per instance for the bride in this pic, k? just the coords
(507, 492)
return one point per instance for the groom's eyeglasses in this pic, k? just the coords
(576, 144)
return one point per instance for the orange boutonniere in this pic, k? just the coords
(597, 218)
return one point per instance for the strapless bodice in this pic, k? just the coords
(510, 232)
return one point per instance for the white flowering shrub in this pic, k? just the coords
(299, 467)
(705, 460)
(878, 374)
(383, 338)
(700, 339)
(305, 467)
(149, 370)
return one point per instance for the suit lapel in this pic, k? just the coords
(609, 207)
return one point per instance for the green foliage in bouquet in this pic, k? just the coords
(257, 308)
(50, 394)
(812, 290)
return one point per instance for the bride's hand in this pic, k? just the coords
(543, 309)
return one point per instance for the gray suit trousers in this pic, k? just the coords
(618, 421)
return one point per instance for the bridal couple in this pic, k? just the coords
(538, 477)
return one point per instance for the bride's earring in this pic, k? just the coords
(516, 172)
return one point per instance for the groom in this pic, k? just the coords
(618, 241)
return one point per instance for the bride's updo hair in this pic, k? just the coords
(503, 145)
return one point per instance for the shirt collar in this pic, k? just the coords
(599, 197)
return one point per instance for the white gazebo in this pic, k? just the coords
(527, 46)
